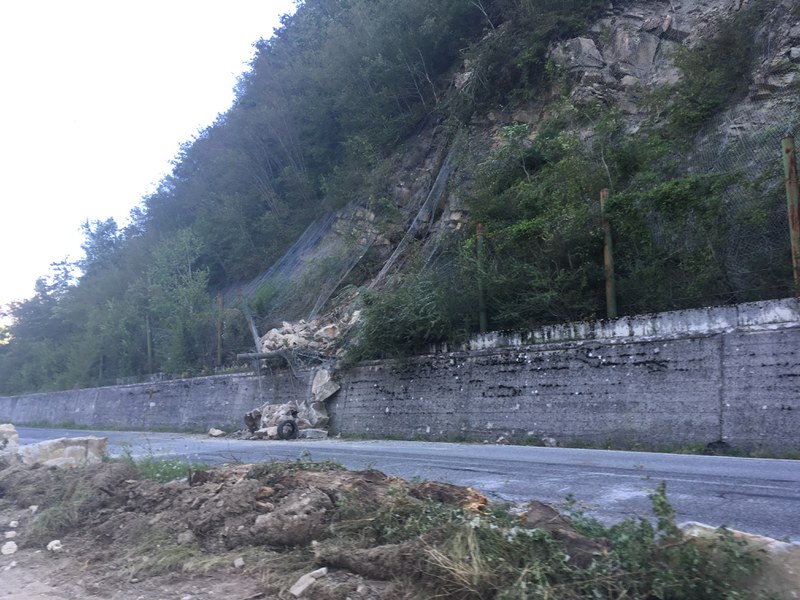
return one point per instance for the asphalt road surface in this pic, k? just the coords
(759, 496)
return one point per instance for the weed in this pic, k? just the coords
(160, 469)
(488, 558)
(274, 470)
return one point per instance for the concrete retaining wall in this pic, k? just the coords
(730, 373)
(194, 404)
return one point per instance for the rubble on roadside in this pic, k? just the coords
(308, 420)
(317, 336)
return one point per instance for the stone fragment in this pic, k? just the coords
(238, 562)
(10, 534)
(312, 434)
(779, 572)
(186, 537)
(300, 517)
(629, 81)
(794, 54)
(632, 53)
(9, 438)
(306, 581)
(13, 524)
(8, 548)
(65, 452)
(328, 332)
(578, 54)
(323, 386)
(550, 442)
(214, 432)
(55, 546)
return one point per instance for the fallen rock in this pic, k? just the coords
(300, 517)
(8, 548)
(779, 575)
(306, 581)
(238, 562)
(9, 438)
(213, 432)
(55, 546)
(580, 548)
(65, 452)
(328, 332)
(323, 386)
(312, 434)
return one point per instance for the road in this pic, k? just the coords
(760, 496)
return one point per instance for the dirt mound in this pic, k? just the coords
(250, 531)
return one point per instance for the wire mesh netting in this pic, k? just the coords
(747, 147)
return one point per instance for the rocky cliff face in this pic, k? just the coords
(631, 48)
(626, 54)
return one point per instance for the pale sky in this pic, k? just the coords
(96, 98)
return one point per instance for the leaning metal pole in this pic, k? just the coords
(793, 200)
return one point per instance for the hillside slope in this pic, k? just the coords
(369, 140)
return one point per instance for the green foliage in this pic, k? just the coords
(482, 557)
(658, 561)
(435, 305)
(273, 471)
(403, 517)
(155, 468)
(670, 243)
(716, 71)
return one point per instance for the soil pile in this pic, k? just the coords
(314, 530)
(237, 531)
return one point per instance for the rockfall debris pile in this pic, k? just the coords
(321, 337)
(288, 421)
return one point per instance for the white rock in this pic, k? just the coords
(238, 563)
(9, 438)
(214, 432)
(55, 546)
(13, 524)
(8, 548)
(306, 581)
(186, 537)
(312, 434)
(65, 452)
(33, 508)
(328, 332)
(10, 534)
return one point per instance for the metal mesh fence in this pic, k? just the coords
(755, 226)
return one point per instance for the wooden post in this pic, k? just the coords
(149, 341)
(792, 202)
(220, 308)
(608, 259)
(483, 318)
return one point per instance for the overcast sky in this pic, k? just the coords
(97, 97)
